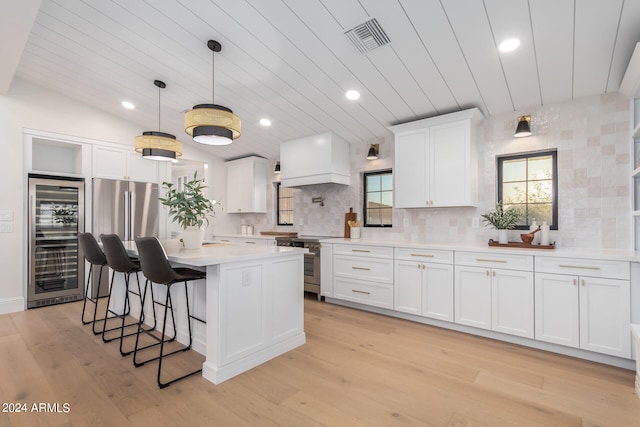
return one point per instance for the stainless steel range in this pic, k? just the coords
(311, 259)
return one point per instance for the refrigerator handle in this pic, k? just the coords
(127, 217)
(132, 214)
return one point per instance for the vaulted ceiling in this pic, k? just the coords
(290, 61)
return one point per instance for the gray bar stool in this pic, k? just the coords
(119, 261)
(96, 258)
(157, 269)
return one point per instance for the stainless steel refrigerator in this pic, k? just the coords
(126, 208)
(56, 215)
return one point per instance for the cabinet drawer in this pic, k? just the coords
(225, 239)
(364, 268)
(364, 250)
(243, 241)
(376, 294)
(489, 260)
(584, 267)
(424, 255)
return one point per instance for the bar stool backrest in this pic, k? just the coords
(116, 253)
(91, 250)
(153, 261)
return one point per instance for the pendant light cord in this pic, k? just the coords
(159, 89)
(213, 75)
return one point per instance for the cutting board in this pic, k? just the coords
(349, 216)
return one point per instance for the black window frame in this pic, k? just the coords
(364, 197)
(278, 208)
(554, 200)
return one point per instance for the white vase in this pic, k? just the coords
(192, 237)
(503, 236)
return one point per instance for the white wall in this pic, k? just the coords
(30, 106)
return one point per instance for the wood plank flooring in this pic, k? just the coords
(357, 369)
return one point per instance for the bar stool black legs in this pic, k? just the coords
(96, 258)
(157, 269)
(120, 262)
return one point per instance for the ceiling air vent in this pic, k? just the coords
(368, 36)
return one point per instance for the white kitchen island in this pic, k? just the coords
(252, 300)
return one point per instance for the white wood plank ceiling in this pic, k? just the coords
(289, 60)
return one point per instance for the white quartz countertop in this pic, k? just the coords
(219, 253)
(601, 254)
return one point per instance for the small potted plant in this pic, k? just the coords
(502, 220)
(190, 209)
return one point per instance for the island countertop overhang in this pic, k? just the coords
(220, 253)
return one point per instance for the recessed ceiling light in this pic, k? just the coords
(352, 95)
(265, 122)
(128, 105)
(508, 45)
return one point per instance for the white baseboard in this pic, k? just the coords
(11, 305)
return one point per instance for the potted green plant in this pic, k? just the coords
(190, 209)
(502, 220)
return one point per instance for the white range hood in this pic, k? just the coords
(317, 159)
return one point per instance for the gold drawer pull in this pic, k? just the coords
(250, 243)
(360, 292)
(423, 255)
(361, 268)
(491, 260)
(584, 267)
(360, 250)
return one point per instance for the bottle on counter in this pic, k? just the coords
(534, 227)
(544, 233)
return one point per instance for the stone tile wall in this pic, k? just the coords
(592, 138)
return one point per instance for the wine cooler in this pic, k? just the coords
(56, 216)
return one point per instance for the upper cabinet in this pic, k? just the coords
(247, 185)
(116, 163)
(433, 160)
(630, 86)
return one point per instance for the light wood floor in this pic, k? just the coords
(357, 369)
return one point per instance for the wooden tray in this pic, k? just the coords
(521, 245)
(279, 233)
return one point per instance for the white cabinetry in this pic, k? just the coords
(423, 282)
(363, 274)
(433, 160)
(495, 292)
(247, 185)
(630, 86)
(584, 304)
(116, 163)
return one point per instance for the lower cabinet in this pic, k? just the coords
(424, 289)
(584, 312)
(572, 302)
(496, 299)
(363, 274)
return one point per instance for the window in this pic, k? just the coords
(284, 209)
(528, 182)
(378, 198)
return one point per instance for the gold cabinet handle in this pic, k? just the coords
(361, 268)
(487, 273)
(575, 282)
(250, 243)
(360, 250)
(423, 255)
(493, 273)
(582, 282)
(584, 267)
(491, 260)
(360, 292)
